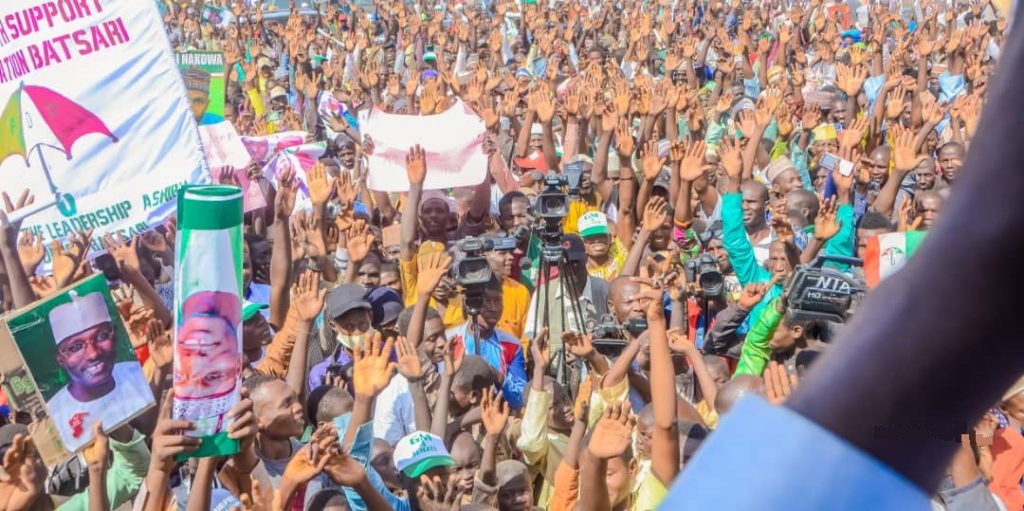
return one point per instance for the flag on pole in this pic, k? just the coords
(887, 253)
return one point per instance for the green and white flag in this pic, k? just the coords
(208, 313)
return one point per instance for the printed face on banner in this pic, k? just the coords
(208, 320)
(208, 346)
(81, 359)
(96, 117)
(203, 74)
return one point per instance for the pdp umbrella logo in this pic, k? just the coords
(38, 117)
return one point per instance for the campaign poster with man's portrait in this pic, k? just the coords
(203, 74)
(208, 313)
(77, 351)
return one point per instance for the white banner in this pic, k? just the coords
(95, 114)
(224, 148)
(452, 140)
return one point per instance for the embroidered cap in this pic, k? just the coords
(78, 315)
(593, 223)
(419, 452)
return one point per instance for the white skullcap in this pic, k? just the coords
(78, 315)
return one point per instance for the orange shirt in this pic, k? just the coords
(1008, 467)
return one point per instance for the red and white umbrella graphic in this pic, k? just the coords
(37, 117)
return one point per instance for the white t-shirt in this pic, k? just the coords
(393, 415)
(131, 395)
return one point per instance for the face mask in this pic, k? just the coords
(351, 341)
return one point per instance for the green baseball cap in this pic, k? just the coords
(250, 309)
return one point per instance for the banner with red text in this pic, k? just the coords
(452, 140)
(95, 116)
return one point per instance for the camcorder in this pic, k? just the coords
(703, 269)
(473, 272)
(824, 294)
(609, 337)
(551, 207)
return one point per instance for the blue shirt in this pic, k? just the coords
(503, 352)
(786, 461)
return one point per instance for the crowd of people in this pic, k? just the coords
(705, 151)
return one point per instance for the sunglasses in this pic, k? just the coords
(709, 235)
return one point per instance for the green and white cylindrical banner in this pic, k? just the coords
(208, 313)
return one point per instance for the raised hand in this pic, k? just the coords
(65, 263)
(655, 213)
(319, 186)
(908, 219)
(307, 297)
(540, 349)
(731, 158)
(811, 117)
(679, 343)
(613, 433)
(24, 200)
(582, 405)
(169, 439)
(623, 139)
(307, 463)
(284, 201)
(752, 295)
(778, 384)
(494, 413)
(408, 360)
(650, 161)
(904, 151)
(452, 360)
(692, 166)
(371, 370)
(416, 165)
(160, 343)
(359, 241)
(432, 268)
(22, 476)
(125, 253)
(578, 344)
(434, 495)
(826, 225)
(31, 251)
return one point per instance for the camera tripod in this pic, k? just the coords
(553, 256)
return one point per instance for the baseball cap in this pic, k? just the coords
(664, 179)
(277, 92)
(593, 223)
(250, 309)
(385, 306)
(419, 452)
(344, 298)
(535, 161)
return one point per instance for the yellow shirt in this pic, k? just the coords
(515, 299)
(708, 413)
(610, 269)
(515, 296)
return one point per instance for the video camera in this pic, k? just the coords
(826, 294)
(703, 269)
(473, 272)
(609, 337)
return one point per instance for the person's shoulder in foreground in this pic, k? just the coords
(790, 464)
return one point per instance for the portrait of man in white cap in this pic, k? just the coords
(197, 86)
(99, 387)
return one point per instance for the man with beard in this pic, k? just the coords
(100, 388)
